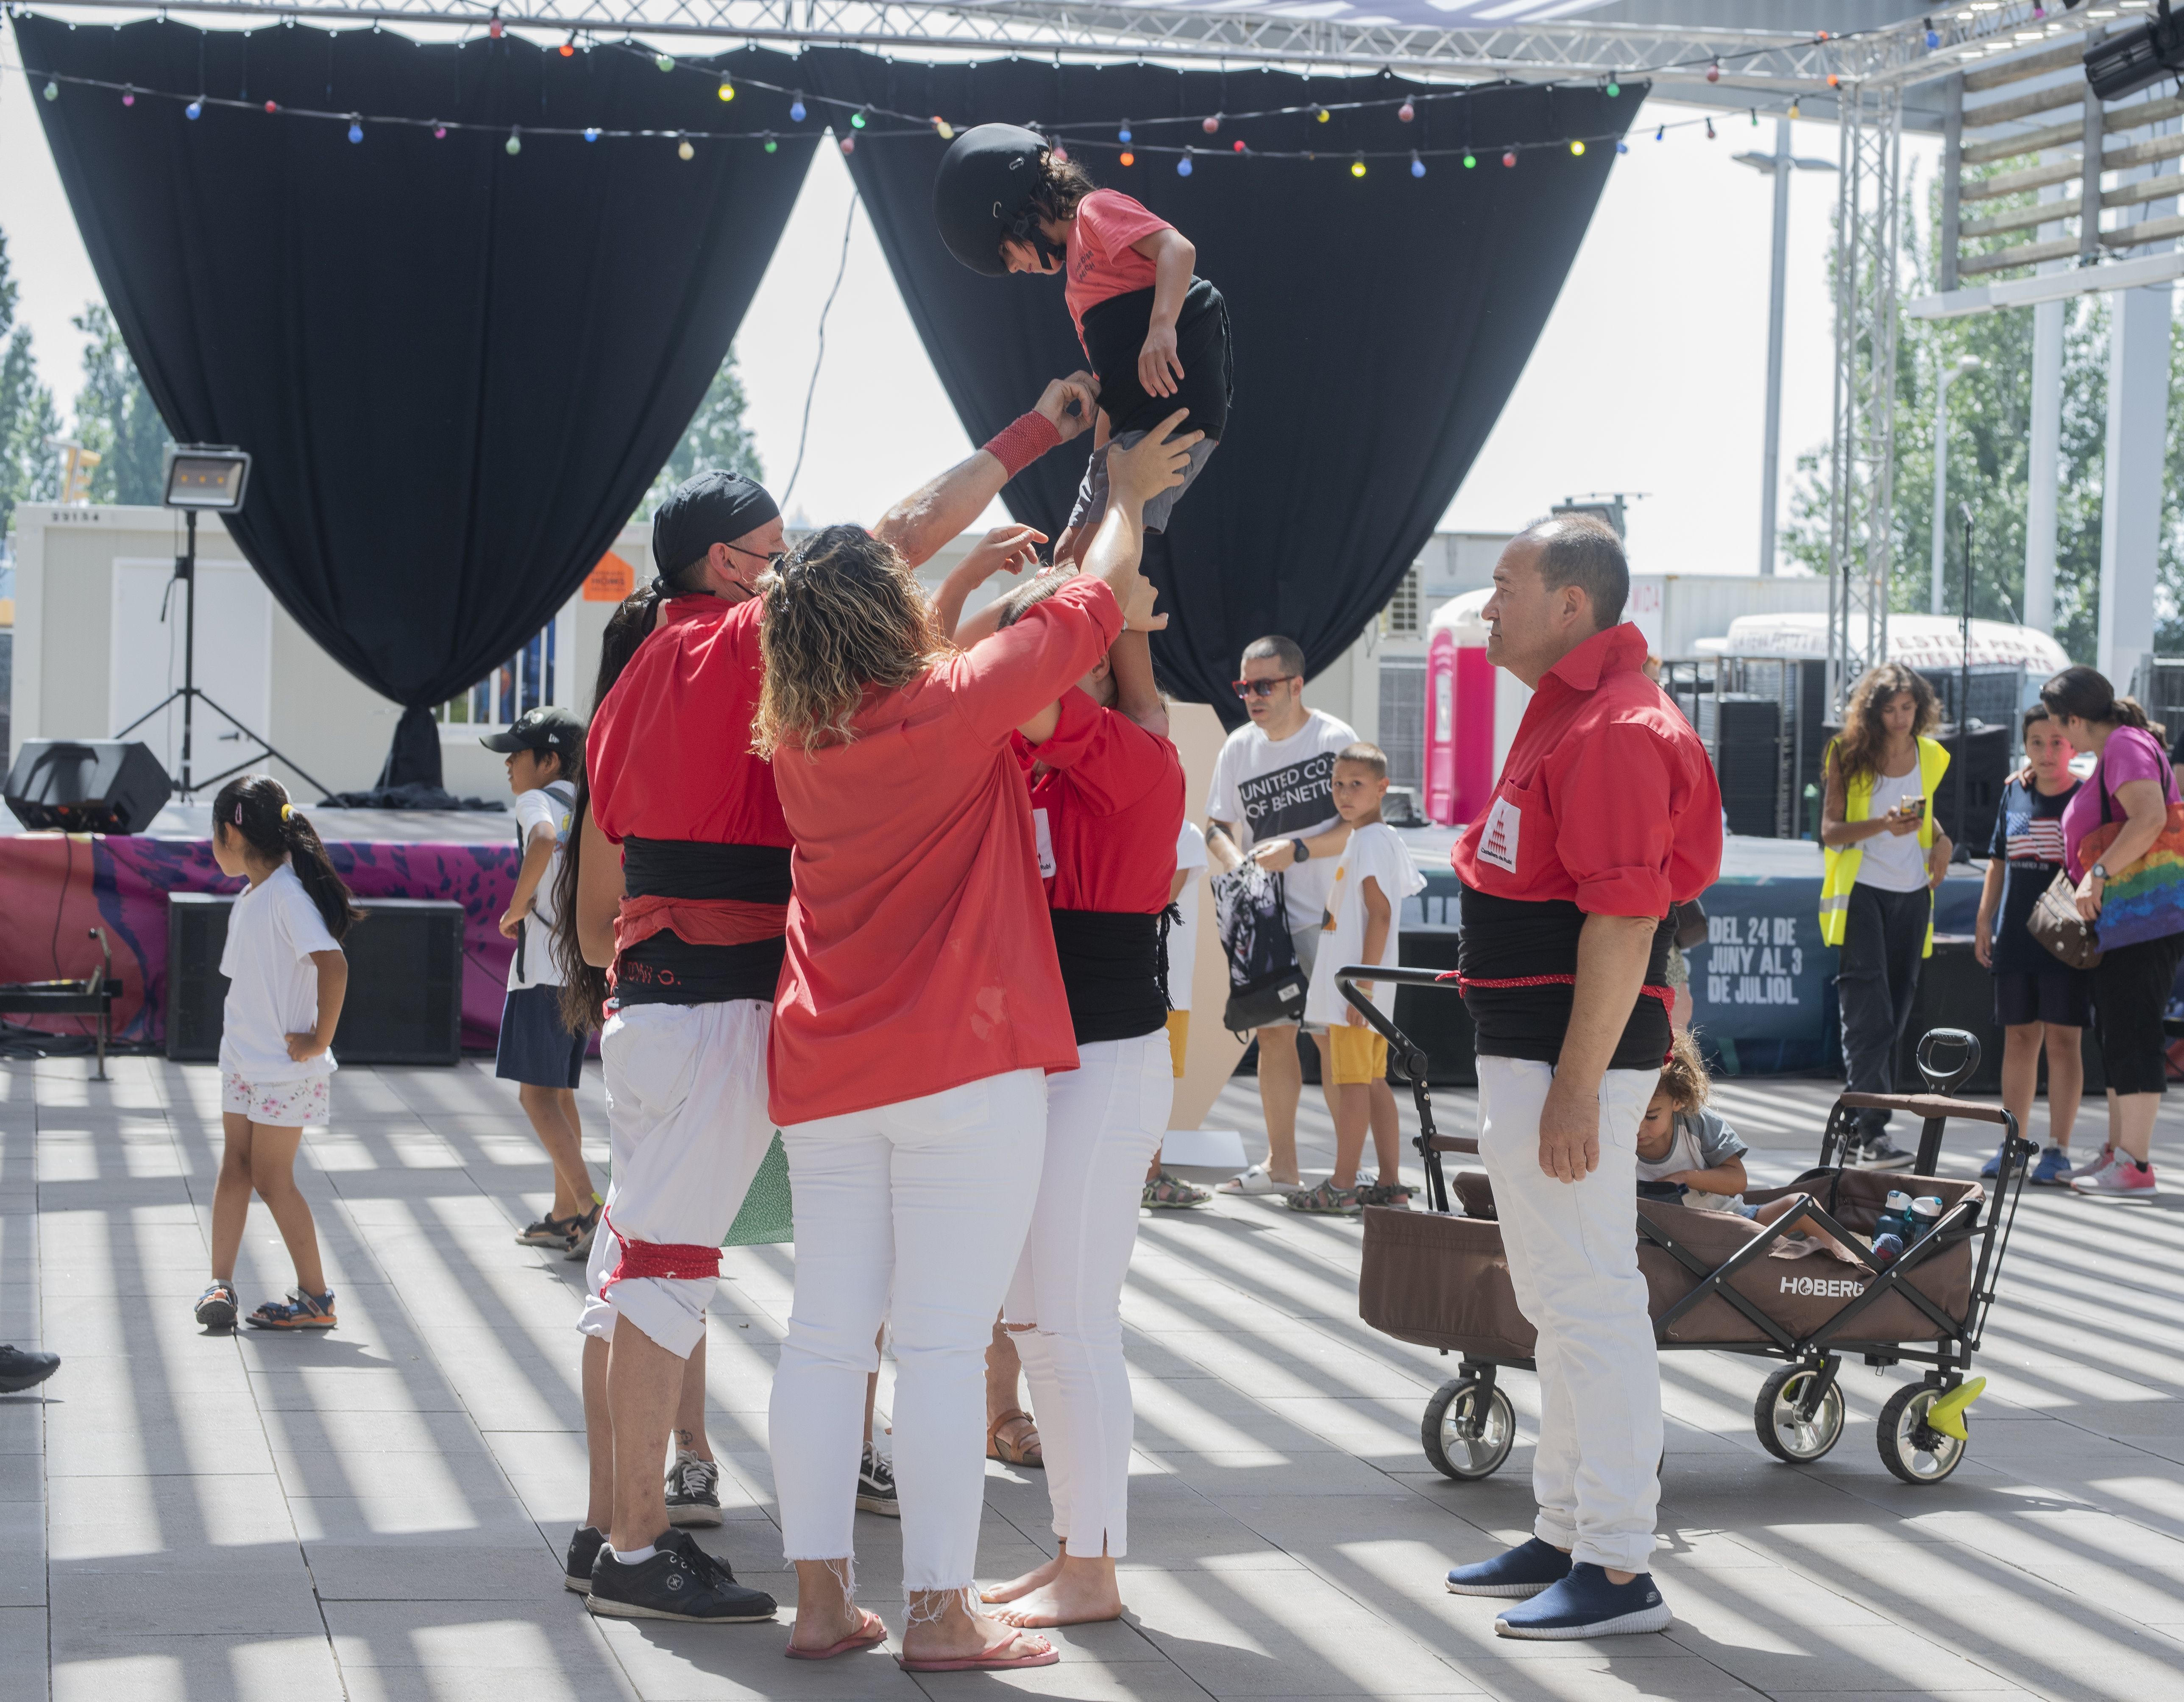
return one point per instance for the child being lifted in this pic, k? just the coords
(1155, 336)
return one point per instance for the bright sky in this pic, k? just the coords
(1651, 375)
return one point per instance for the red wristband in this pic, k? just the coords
(1022, 440)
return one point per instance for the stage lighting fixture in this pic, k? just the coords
(207, 475)
(2122, 64)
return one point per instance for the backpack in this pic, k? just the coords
(1266, 983)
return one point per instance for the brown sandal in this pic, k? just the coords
(1024, 1451)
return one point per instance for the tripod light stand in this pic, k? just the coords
(204, 476)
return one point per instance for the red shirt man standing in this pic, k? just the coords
(1606, 813)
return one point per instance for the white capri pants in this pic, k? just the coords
(687, 1128)
(1103, 1122)
(913, 1213)
(1572, 1250)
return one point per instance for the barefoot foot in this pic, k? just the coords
(1075, 1597)
(967, 1637)
(1023, 1586)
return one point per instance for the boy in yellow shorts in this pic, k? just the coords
(1364, 925)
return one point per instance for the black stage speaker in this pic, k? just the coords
(405, 980)
(1955, 992)
(86, 785)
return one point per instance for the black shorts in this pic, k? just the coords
(2059, 995)
(535, 1048)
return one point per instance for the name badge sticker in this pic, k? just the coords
(1498, 844)
(1045, 836)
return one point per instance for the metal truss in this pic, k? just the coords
(1862, 465)
(1750, 63)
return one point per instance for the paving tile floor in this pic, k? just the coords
(375, 1514)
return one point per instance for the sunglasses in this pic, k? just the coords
(1259, 689)
(772, 562)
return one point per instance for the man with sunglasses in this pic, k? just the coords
(1274, 799)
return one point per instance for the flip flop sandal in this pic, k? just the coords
(1256, 1180)
(869, 1635)
(1046, 1656)
(301, 1311)
(1017, 1452)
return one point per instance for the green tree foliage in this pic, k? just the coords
(28, 418)
(1989, 450)
(716, 439)
(114, 416)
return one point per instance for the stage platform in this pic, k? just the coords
(54, 889)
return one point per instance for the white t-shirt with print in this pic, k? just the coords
(1284, 790)
(1183, 937)
(537, 959)
(1376, 851)
(272, 984)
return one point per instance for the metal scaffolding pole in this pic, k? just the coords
(1862, 463)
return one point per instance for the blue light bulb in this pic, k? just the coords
(1933, 39)
(1123, 135)
(355, 131)
(1418, 165)
(796, 109)
(1183, 166)
(591, 133)
(194, 109)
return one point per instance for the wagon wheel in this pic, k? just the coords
(1783, 1432)
(1468, 1430)
(1909, 1448)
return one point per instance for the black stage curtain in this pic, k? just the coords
(458, 369)
(1380, 323)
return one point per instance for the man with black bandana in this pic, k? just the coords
(704, 858)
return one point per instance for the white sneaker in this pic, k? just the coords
(2124, 1178)
(1256, 1180)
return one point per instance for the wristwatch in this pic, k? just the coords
(2100, 872)
(1302, 851)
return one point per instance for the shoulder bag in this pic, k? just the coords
(2144, 901)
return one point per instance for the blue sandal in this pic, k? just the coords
(301, 1311)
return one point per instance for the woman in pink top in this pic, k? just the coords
(2134, 786)
(919, 1011)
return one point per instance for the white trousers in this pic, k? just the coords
(687, 1128)
(1573, 1251)
(1104, 1120)
(913, 1213)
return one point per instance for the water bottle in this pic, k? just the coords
(1926, 1213)
(1895, 1217)
(1887, 1249)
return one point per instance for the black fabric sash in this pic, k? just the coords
(692, 868)
(1110, 969)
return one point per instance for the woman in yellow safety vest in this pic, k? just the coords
(1885, 854)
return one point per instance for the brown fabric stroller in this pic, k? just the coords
(1439, 1279)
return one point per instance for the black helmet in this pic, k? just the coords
(984, 178)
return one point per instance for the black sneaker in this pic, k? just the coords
(22, 1368)
(583, 1549)
(876, 1485)
(680, 1582)
(693, 1490)
(1878, 1153)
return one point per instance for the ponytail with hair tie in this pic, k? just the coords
(257, 807)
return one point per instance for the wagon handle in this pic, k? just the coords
(1402, 1049)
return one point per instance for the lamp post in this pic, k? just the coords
(1963, 853)
(1950, 375)
(1780, 162)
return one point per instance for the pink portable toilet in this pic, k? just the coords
(1460, 712)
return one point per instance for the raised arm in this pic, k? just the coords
(1011, 548)
(940, 509)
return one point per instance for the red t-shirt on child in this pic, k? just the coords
(1100, 264)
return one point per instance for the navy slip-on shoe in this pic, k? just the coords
(1524, 1571)
(1586, 1604)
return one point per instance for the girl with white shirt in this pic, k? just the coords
(286, 980)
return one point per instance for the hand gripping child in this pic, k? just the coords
(1155, 336)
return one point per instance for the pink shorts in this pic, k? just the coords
(279, 1105)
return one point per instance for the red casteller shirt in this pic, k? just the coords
(1607, 805)
(669, 753)
(1107, 812)
(919, 956)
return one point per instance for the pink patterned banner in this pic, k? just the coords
(54, 889)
